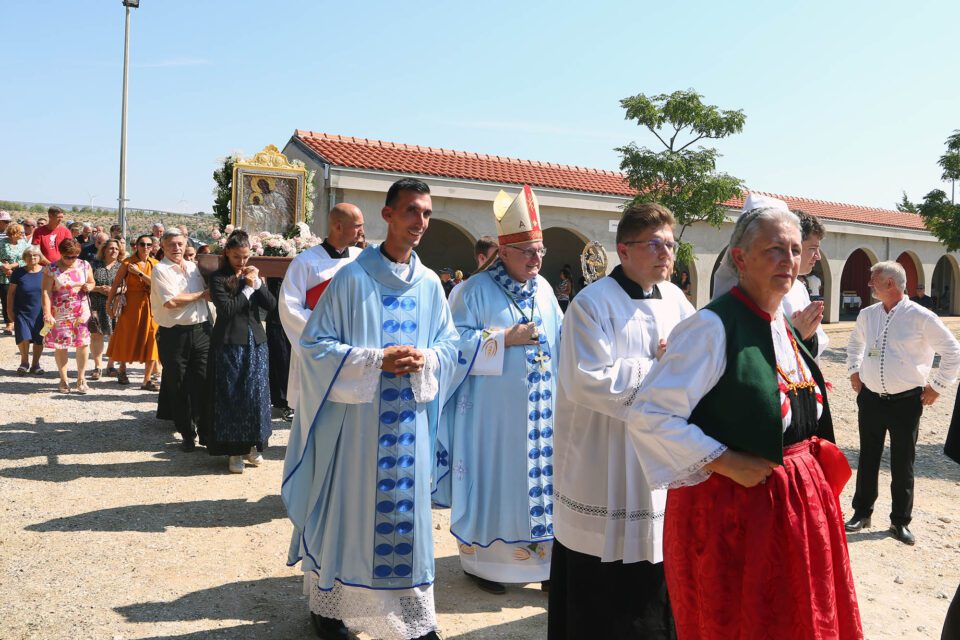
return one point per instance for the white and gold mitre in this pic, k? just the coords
(518, 219)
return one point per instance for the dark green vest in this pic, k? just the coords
(743, 410)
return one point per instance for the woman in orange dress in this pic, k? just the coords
(135, 336)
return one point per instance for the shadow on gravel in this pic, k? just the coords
(516, 630)
(51, 385)
(455, 593)
(169, 464)
(156, 518)
(276, 605)
(135, 431)
(244, 632)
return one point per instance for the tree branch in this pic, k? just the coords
(700, 137)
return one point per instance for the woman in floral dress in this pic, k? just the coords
(11, 257)
(105, 269)
(66, 310)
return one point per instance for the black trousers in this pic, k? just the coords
(590, 599)
(951, 626)
(7, 313)
(279, 347)
(183, 354)
(901, 417)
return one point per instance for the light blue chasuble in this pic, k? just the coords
(356, 479)
(495, 449)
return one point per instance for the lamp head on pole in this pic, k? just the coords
(133, 4)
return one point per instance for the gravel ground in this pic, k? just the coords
(108, 531)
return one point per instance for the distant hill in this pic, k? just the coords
(138, 220)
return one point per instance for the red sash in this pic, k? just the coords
(313, 295)
(836, 468)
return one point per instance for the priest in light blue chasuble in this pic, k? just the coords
(381, 356)
(495, 462)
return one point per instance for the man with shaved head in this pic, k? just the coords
(306, 278)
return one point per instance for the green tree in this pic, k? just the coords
(223, 192)
(683, 178)
(942, 218)
(950, 162)
(906, 206)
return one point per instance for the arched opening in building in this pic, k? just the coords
(911, 264)
(818, 283)
(446, 244)
(854, 290)
(564, 247)
(943, 289)
(713, 272)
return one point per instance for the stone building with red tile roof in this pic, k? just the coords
(580, 204)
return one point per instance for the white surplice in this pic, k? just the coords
(309, 269)
(604, 506)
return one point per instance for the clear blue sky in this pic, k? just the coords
(847, 101)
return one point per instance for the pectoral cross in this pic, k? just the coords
(542, 359)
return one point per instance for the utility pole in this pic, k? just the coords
(122, 199)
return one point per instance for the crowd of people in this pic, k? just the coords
(660, 471)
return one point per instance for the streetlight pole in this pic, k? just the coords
(122, 199)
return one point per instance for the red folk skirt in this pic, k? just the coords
(769, 562)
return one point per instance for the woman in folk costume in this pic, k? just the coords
(735, 420)
(497, 449)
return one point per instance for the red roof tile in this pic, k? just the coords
(844, 212)
(361, 153)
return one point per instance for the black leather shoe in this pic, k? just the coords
(901, 533)
(330, 628)
(856, 523)
(545, 586)
(287, 415)
(489, 586)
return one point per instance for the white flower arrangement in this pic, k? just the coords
(265, 243)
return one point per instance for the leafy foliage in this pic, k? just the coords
(906, 206)
(223, 192)
(942, 218)
(678, 176)
(950, 161)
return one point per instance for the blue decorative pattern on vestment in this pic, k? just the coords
(396, 451)
(540, 391)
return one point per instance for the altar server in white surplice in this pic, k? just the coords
(607, 577)
(499, 425)
(805, 315)
(308, 276)
(380, 358)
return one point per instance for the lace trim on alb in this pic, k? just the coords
(371, 361)
(382, 614)
(695, 473)
(639, 375)
(602, 511)
(424, 383)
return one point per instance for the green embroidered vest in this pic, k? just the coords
(743, 410)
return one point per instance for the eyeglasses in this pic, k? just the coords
(531, 253)
(656, 245)
(71, 257)
(25, 225)
(144, 244)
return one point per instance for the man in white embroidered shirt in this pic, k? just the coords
(178, 299)
(889, 359)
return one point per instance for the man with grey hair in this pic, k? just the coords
(889, 360)
(92, 248)
(178, 299)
